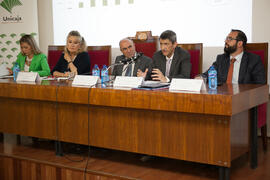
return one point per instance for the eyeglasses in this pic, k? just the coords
(230, 39)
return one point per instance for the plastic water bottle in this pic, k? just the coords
(104, 75)
(96, 71)
(16, 70)
(212, 78)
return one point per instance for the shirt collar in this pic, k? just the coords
(238, 57)
(170, 57)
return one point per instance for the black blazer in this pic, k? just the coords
(180, 66)
(251, 69)
(82, 63)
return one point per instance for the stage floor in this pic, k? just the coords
(37, 160)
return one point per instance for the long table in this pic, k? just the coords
(211, 127)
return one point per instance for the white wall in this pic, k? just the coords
(260, 32)
(45, 23)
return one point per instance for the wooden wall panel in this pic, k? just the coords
(28, 117)
(19, 169)
(192, 137)
(6, 168)
(73, 123)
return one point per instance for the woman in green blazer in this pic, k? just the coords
(30, 59)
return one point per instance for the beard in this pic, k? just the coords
(230, 49)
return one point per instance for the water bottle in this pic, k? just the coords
(95, 70)
(16, 70)
(212, 78)
(104, 75)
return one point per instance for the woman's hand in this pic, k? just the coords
(67, 57)
(59, 74)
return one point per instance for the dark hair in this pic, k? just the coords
(170, 35)
(241, 36)
(27, 38)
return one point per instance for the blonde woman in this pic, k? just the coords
(75, 60)
(30, 59)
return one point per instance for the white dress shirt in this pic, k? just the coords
(236, 67)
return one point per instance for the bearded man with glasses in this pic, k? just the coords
(235, 65)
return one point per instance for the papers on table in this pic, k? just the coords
(153, 85)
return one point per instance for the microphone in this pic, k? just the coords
(132, 59)
(127, 61)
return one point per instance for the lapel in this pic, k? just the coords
(174, 62)
(163, 64)
(243, 67)
(33, 63)
(227, 65)
(22, 63)
(136, 67)
(119, 68)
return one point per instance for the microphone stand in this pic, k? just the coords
(115, 64)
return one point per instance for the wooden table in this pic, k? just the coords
(209, 127)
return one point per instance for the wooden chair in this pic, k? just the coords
(261, 49)
(146, 43)
(54, 53)
(100, 55)
(196, 57)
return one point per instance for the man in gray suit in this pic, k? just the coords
(139, 68)
(171, 61)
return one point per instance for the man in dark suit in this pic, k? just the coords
(139, 68)
(246, 68)
(171, 61)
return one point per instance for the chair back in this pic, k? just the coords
(196, 57)
(261, 49)
(54, 53)
(100, 55)
(146, 43)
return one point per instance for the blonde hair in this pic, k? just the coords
(31, 42)
(80, 38)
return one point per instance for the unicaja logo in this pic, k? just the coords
(9, 4)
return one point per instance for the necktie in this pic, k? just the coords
(230, 72)
(128, 71)
(168, 66)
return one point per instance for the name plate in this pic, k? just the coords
(83, 80)
(187, 85)
(127, 81)
(27, 77)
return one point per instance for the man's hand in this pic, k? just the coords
(142, 74)
(158, 75)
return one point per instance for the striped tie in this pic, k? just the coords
(129, 69)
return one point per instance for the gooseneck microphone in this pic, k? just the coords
(126, 61)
